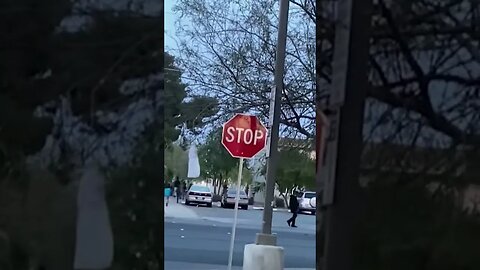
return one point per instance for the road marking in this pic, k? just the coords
(182, 236)
(181, 229)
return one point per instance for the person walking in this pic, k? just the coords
(176, 186)
(184, 189)
(178, 191)
(225, 188)
(167, 193)
(172, 188)
(294, 210)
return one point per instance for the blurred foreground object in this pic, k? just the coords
(94, 240)
(193, 163)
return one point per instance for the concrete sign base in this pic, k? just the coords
(261, 257)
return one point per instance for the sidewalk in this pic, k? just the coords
(170, 265)
(178, 210)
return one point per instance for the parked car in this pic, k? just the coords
(198, 194)
(228, 199)
(307, 202)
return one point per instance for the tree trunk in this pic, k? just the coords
(214, 183)
(220, 184)
(226, 177)
(283, 194)
(285, 199)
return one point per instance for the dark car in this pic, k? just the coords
(228, 199)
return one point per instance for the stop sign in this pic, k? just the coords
(244, 136)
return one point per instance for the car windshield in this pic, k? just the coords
(309, 195)
(234, 192)
(200, 189)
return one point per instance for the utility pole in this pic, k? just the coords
(266, 237)
(342, 197)
(265, 254)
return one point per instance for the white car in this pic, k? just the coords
(198, 194)
(308, 202)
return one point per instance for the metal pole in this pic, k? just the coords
(345, 201)
(234, 228)
(266, 237)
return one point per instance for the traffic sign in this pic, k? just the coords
(244, 136)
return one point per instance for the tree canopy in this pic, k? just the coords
(181, 106)
(71, 71)
(215, 161)
(231, 57)
(296, 169)
(176, 162)
(79, 80)
(422, 70)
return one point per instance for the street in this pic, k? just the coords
(198, 237)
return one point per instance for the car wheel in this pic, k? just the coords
(245, 207)
(187, 202)
(209, 205)
(312, 212)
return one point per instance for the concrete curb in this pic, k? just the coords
(224, 223)
(274, 209)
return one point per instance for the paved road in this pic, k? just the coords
(199, 237)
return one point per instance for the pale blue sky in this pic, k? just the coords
(169, 25)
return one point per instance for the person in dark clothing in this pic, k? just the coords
(176, 183)
(178, 191)
(294, 210)
(172, 189)
(184, 189)
(225, 188)
(176, 186)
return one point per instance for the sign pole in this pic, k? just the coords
(266, 237)
(234, 227)
(244, 136)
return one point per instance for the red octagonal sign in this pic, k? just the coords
(244, 136)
